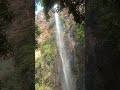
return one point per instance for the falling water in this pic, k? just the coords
(67, 82)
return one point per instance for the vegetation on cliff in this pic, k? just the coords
(46, 52)
(102, 43)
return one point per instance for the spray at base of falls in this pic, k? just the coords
(68, 83)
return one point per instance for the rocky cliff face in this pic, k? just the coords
(46, 28)
(20, 33)
(46, 39)
(23, 22)
(75, 51)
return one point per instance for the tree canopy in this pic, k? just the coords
(73, 5)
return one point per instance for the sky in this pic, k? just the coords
(39, 8)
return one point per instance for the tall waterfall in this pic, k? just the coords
(67, 83)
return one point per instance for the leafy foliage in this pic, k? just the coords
(43, 64)
(108, 21)
(37, 31)
(26, 67)
(9, 82)
(80, 34)
(4, 44)
(71, 4)
(22, 78)
(6, 17)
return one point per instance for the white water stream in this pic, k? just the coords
(68, 83)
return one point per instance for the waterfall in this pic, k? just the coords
(68, 83)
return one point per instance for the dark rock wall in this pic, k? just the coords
(23, 23)
(20, 33)
(75, 51)
(102, 56)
